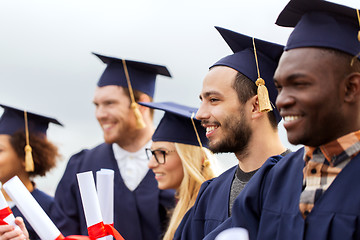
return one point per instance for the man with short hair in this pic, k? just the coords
(313, 193)
(140, 208)
(232, 111)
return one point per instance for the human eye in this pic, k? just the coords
(213, 99)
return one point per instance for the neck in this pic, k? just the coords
(136, 142)
(263, 144)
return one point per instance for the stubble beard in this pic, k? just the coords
(236, 137)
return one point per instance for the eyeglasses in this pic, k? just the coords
(158, 154)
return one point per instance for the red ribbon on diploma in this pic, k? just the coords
(96, 231)
(100, 230)
(3, 214)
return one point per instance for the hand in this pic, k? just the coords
(9, 232)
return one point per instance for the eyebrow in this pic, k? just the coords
(291, 77)
(207, 94)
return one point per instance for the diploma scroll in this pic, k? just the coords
(105, 192)
(6, 215)
(31, 210)
(94, 221)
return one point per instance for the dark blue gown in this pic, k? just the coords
(52, 209)
(269, 206)
(211, 207)
(138, 214)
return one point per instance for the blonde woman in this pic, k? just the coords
(179, 158)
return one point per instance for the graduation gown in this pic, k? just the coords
(52, 209)
(138, 214)
(269, 206)
(210, 208)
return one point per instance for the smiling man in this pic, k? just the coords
(231, 111)
(314, 193)
(140, 207)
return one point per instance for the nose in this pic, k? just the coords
(100, 112)
(203, 112)
(152, 163)
(284, 99)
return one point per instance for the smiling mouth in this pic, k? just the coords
(291, 118)
(106, 126)
(210, 129)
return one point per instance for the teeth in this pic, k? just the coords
(290, 118)
(106, 126)
(209, 129)
(159, 174)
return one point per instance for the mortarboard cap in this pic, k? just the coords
(244, 60)
(13, 120)
(142, 75)
(321, 24)
(176, 124)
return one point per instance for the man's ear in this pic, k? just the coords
(143, 98)
(352, 88)
(255, 108)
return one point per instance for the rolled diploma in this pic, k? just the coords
(105, 192)
(31, 210)
(89, 199)
(9, 219)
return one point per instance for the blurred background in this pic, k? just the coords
(46, 65)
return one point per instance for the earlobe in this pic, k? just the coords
(352, 87)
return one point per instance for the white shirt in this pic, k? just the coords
(133, 166)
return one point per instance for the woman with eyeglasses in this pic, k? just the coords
(178, 157)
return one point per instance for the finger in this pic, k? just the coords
(6, 228)
(20, 222)
(13, 235)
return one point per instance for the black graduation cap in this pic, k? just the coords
(320, 23)
(176, 124)
(142, 75)
(244, 60)
(13, 120)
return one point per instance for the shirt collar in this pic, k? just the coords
(348, 144)
(121, 153)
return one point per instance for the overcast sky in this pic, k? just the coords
(46, 65)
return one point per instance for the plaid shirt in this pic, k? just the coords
(322, 165)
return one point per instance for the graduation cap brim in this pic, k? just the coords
(176, 125)
(171, 107)
(321, 24)
(147, 67)
(142, 76)
(239, 42)
(12, 120)
(295, 9)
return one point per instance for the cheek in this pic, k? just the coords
(176, 172)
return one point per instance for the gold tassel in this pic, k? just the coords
(206, 161)
(29, 162)
(358, 36)
(262, 92)
(263, 96)
(358, 16)
(140, 124)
